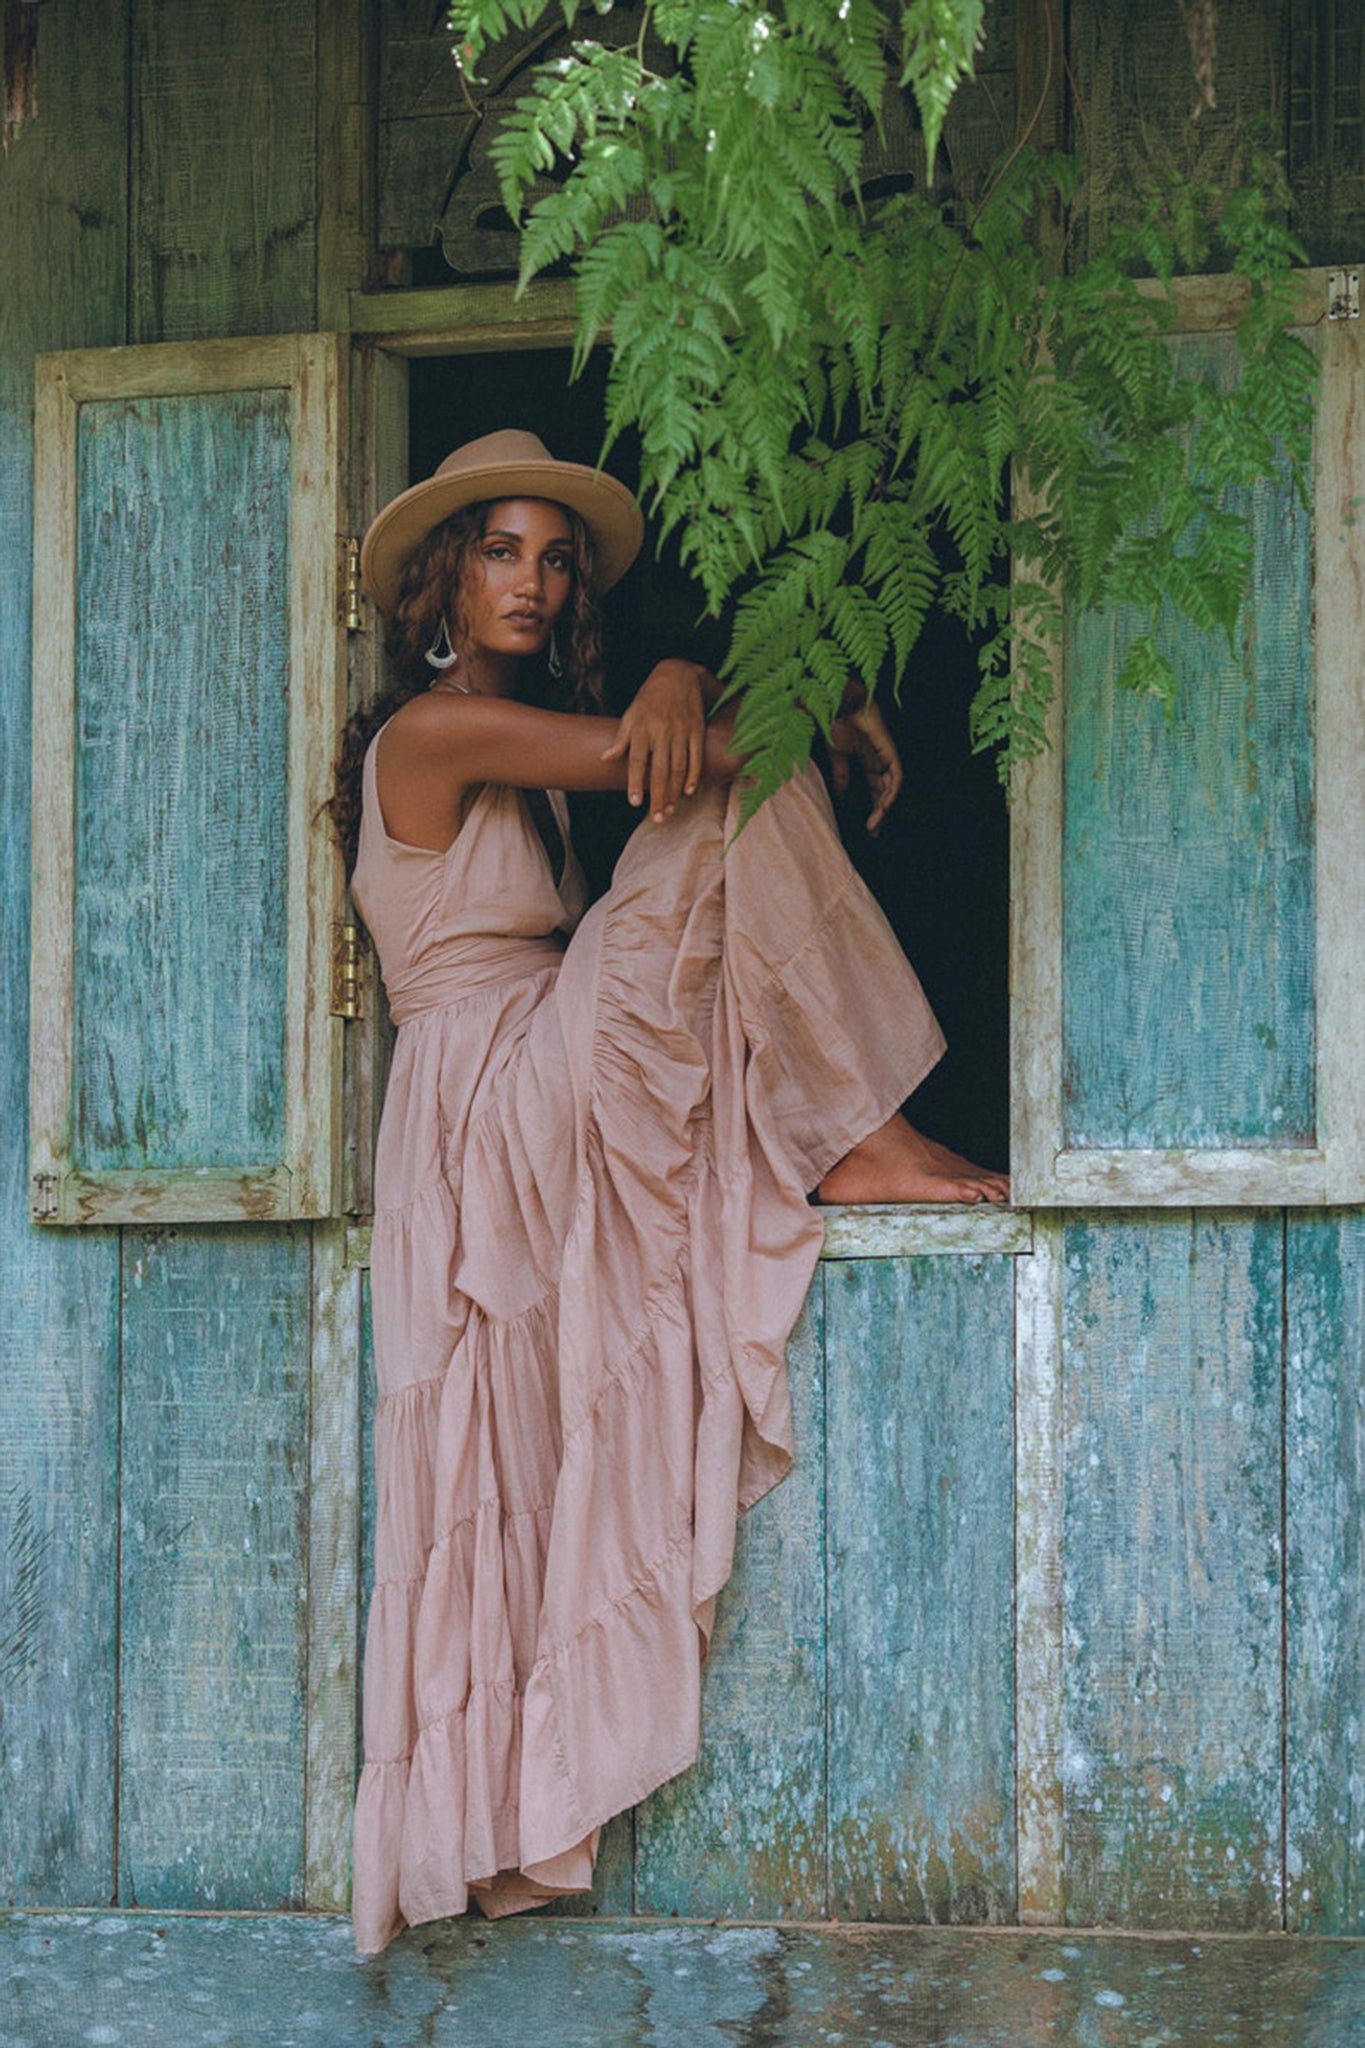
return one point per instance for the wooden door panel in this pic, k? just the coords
(920, 1507)
(1188, 924)
(1171, 1514)
(181, 767)
(188, 689)
(214, 1557)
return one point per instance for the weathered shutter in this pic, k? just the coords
(188, 685)
(1188, 950)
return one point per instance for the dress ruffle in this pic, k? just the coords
(592, 1246)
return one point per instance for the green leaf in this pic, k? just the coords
(939, 39)
(834, 393)
(1146, 670)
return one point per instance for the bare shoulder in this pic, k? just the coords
(424, 768)
(427, 716)
(435, 713)
(433, 728)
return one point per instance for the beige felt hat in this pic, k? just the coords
(508, 464)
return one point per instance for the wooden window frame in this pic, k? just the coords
(1046, 1172)
(304, 1180)
(388, 330)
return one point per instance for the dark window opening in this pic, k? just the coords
(940, 868)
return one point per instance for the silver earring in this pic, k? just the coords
(442, 652)
(556, 666)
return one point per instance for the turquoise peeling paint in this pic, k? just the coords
(920, 1493)
(214, 1554)
(1325, 1565)
(1188, 893)
(62, 252)
(182, 721)
(1172, 1596)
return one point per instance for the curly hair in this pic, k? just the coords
(434, 583)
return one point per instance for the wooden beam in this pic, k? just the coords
(468, 316)
(347, 31)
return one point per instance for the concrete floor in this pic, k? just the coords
(125, 1980)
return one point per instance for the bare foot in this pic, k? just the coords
(898, 1164)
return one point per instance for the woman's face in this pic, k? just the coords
(520, 572)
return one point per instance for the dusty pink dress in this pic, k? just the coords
(591, 1241)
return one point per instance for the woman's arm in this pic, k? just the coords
(441, 744)
(860, 731)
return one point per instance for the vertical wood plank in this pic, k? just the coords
(58, 1576)
(920, 1514)
(333, 1570)
(1339, 591)
(224, 178)
(1325, 1565)
(1037, 814)
(214, 1633)
(317, 706)
(1038, 1659)
(743, 1832)
(379, 470)
(1172, 1529)
(346, 63)
(62, 257)
(51, 896)
(1187, 866)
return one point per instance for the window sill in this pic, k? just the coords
(901, 1230)
(873, 1230)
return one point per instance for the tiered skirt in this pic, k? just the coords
(591, 1243)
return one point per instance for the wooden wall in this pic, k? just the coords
(63, 256)
(154, 1426)
(1189, 1747)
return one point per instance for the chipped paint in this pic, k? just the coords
(1188, 926)
(1325, 1568)
(1171, 1754)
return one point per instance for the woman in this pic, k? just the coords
(592, 1236)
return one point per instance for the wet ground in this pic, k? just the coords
(125, 1980)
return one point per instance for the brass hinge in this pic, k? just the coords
(44, 1197)
(350, 597)
(348, 993)
(1343, 295)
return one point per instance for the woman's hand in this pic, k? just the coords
(662, 737)
(863, 732)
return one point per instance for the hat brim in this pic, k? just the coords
(606, 507)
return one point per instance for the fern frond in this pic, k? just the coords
(1148, 672)
(831, 392)
(901, 568)
(939, 39)
(859, 629)
(474, 24)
